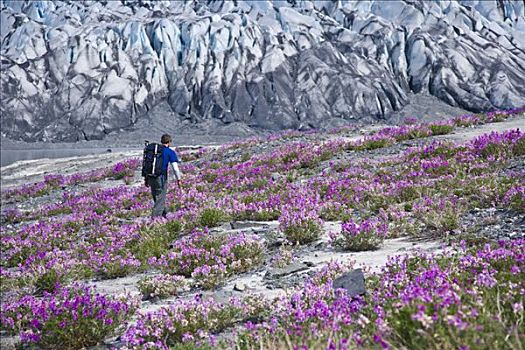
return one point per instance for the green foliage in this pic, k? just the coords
(519, 147)
(490, 308)
(191, 346)
(441, 129)
(212, 217)
(48, 281)
(70, 329)
(102, 209)
(59, 211)
(359, 243)
(469, 239)
(245, 157)
(210, 177)
(18, 257)
(445, 149)
(417, 134)
(161, 286)
(440, 221)
(407, 194)
(498, 117)
(493, 149)
(374, 144)
(359, 239)
(116, 269)
(193, 321)
(304, 233)
(309, 163)
(155, 240)
(210, 269)
(335, 213)
(289, 157)
(256, 184)
(515, 200)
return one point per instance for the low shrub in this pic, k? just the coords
(299, 220)
(441, 129)
(515, 198)
(118, 266)
(161, 286)
(495, 117)
(440, 216)
(333, 211)
(125, 170)
(300, 226)
(49, 281)
(444, 301)
(155, 240)
(71, 318)
(372, 144)
(468, 120)
(212, 217)
(211, 258)
(518, 149)
(367, 235)
(498, 146)
(283, 257)
(189, 324)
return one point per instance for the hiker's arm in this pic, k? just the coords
(177, 174)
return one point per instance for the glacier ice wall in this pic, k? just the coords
(73, 70)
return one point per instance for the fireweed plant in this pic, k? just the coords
(209, 259)
(464, 298)
(122, 170)
(299, 180)
(70, 318)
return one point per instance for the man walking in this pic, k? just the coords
(159, 184)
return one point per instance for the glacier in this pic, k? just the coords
(79, 70)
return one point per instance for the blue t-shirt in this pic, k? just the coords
(168, 156)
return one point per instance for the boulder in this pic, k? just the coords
(352, 282)
(285, 271)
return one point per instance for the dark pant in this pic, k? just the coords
(159, 188)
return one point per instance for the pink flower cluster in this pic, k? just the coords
(366, 235)
(81, 317)
(118, 171)
(440, 293)
(210, 258)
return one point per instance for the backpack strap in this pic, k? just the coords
(155, 158)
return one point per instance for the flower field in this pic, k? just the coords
(408, 181)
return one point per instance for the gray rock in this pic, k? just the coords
(353, 282)
(276, 176)
(239, 287)
(223, 227)
(287, 270)
(221, 296)
(239, 225)
(9, 343)
(275, 243)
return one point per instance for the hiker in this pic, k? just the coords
(159, 184)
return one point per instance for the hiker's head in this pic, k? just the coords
(165, 139)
